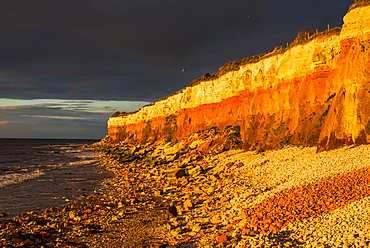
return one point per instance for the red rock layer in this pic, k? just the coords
(251, 111)
(311, 200)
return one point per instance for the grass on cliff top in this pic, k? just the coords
(303, 36)
(359, 3)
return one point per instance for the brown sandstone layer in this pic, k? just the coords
(315, 93)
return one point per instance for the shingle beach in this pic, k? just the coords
(293, 197)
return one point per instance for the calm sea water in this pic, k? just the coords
(36, 174)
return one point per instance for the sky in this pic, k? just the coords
(67, 65)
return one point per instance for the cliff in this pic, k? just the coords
(313, 93)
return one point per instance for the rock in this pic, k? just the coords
(134, 149)
(196, 228)
(171, 157)
(174, 233)
(188, 205)
(173, 210)
(159, 245)
(17, 240)
(210, 190)
(215, 220)
(195, 171)
(221, 239)
(176, 173)
(362, 244)
(213, 178)
(181, 173)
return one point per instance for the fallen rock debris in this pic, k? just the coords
(293, 197)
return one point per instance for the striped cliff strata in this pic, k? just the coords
(312, 93)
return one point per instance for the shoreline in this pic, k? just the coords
(85, 222)
(36, 175)
(223, 200)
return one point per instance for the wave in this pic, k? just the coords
(70, 164)
(36, 160)
(14, 178)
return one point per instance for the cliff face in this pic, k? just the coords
(316, 93)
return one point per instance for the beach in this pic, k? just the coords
(292, 197)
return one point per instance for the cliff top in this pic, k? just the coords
(359, 3)
(303, 36)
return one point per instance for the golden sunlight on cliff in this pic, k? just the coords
(315, 93)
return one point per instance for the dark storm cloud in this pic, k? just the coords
(135, 50)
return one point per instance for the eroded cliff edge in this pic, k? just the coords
(315, 93)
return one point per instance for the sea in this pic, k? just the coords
(37, 174)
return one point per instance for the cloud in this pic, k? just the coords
(16, 107)
(135, 50)
(7, 122)
(56, 117)
(67, 105)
